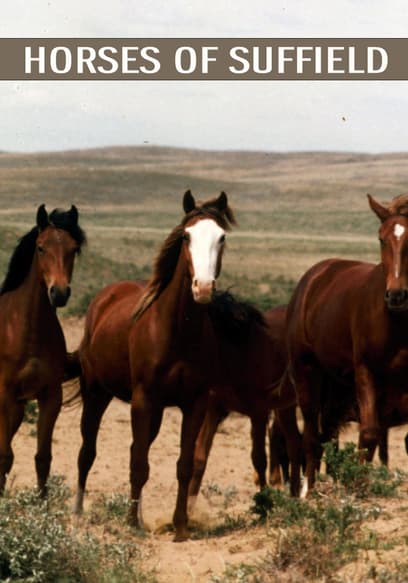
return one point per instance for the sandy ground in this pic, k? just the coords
(228, 487)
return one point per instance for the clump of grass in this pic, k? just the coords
(397, 574)
(285, 510)
(236, 574)
(316, 537)
(37, 543)
(109, 507)
(357, 478)
(211, 489)
(31, 412)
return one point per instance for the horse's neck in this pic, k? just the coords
(34, 305)
(176, 305)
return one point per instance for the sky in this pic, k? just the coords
(368, 116)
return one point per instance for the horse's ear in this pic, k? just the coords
(73, 212)
(222, 202)
(381, 211)
(188, 202)
(42, 217)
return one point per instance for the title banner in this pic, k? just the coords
(211, 59)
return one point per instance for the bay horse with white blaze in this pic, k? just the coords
(154, 347)
(32, 344)
(349, 320)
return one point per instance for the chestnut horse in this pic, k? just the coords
(154, 347)
(32, 347)
(348, 320)
(253, 354)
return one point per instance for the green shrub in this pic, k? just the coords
(362, 479)
(38, 545)
(275, 504)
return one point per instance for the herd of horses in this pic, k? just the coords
(338, 351)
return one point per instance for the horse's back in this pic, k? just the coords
(104, 352)
(256, 366)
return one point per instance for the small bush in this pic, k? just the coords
(275, 504)
(37, 544)
(315, 536)
(357, 478)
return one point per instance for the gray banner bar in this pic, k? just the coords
(211, 59)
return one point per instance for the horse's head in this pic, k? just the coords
(203, 242)
(59, 240)
(393, 235)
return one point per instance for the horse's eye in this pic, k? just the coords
(222, 239)
(40, 249)
(382, 242)
(186, 237)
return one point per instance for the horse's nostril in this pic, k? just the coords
(396, 297)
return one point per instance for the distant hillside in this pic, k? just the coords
(134, 175)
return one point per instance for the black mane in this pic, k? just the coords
(23, 254)
(233, 318)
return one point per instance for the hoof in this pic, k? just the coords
(181, 535)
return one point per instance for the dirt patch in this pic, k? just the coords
(227, 490)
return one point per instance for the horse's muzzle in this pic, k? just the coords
(203, 292)
(396, 299)
(59, 296)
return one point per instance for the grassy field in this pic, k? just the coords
(293, 209)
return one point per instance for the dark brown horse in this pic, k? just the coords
(154, 347)
(348, 320)
(32, 346)
(253, 354)
(394, 412)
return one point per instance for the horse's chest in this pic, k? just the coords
(34, 375)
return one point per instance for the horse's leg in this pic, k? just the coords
(95, 402)
(308, 385)
(145, 426)
(383, 445)
(11, 415)
(212, 419)
(276, 458)
(369, 422)
(258, 455)
(49, 406)
(192, 420)
(287, 422)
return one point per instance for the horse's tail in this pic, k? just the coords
(72, 379)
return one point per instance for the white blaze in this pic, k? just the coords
(205, 244)
(399, 230)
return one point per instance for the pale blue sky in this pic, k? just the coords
(218, 115)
